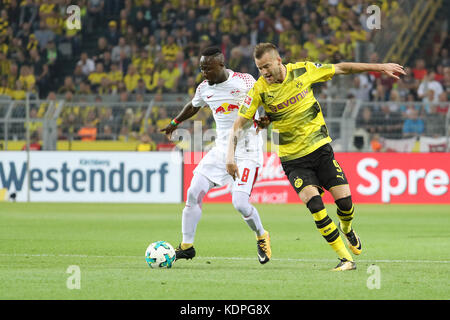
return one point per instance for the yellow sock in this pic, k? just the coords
(329, 231)
(185, 246)
(341, 250)
(346, 218)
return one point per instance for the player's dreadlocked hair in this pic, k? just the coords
(211, 51)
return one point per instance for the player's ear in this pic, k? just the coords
(279, 60)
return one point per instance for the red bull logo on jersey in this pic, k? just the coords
(290, 101)
(226, 108)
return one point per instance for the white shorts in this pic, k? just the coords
(213, 167)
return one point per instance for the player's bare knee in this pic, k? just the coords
(307, 193)
(344, 204)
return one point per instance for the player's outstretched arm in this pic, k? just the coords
(235, 133)
(188, 111)
(390, 69)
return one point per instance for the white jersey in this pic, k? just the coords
(224, 100)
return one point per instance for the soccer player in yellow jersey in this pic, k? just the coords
(302, 137)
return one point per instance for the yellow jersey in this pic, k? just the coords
(298, 124)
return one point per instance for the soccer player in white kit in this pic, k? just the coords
(223, 92)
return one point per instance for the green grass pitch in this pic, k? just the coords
(408, 244)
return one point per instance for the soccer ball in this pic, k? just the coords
(160, 254)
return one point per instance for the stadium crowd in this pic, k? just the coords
(147, 47)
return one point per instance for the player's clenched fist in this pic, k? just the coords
(169, 129)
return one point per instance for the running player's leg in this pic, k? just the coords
(327, 228)
(345, 213)
(192, 212)
(242, 189)
(305, 182)
(333, 178)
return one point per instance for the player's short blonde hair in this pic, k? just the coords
(262, 48)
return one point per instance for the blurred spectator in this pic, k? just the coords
(13, 10)
(122, 46)
(389, 123)
(115, 76)
(34, 125)
(373, 58)
(88, 132)
(105, 87)
(434, 123)
(95, 10)
(4, 89)
(35, 145)
(19, 92)
(141, 87)
(146, 144)
(13, 75)
(69, 127)
(360, 91)
(419, 71)
(170, 49)
(78, 76)
(131, 79)
(107, 120)
(87, 64)
(27, 78)
(444, 58)
(152, 47)
(413, 125)
(379, 93)
(124, 62)
(236, 60)
(67, 86)
(124, 134)
(139, 23)
(106, 61)
(106, 134)
(171, 76)
(226, 46)
(28, 12)
(428, 100)
(95, 78)
(142, 62)
(376, 144)
(407, 84)
(366, 121)
(44, 106)
(112, 35)
(429, 83)
(408, 105)
(443, 104)
(163, 119)
(43, 35)
(155, 32)
(43, 81)
(85, 88)
(102, 47)
(51, 54)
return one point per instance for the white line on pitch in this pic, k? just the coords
(219, 258)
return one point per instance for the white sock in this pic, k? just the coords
(192, 212)
(249, 213)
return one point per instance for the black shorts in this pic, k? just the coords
(319, 168)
